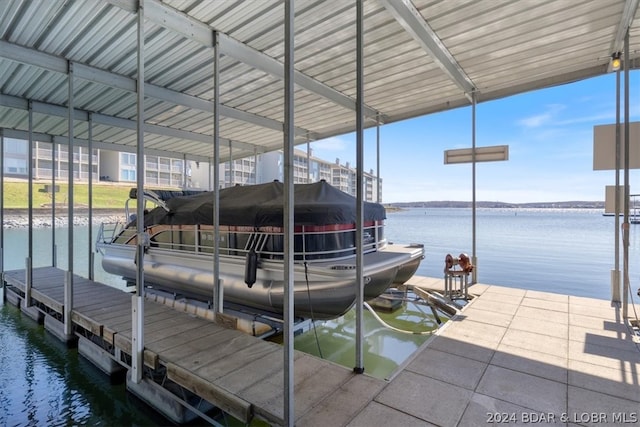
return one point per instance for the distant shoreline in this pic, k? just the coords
(499, 205)
(42, 218)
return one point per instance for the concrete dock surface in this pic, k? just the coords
(512, 357)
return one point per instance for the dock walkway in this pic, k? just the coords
(238, 373)
(511, 356)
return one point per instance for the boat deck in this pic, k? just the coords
(512, 355)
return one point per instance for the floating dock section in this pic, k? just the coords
(197, 364)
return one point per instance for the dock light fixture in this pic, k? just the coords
(615, 61)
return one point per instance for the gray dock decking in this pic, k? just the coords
(525, 355)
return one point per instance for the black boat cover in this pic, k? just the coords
(262, 205)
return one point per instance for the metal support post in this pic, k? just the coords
(289, 403)
(2, 287)
(211, 187)
(29, 260)
(474, 257)
(2, 216)
(90, 230)
(185, 175)
(615, 273)
(308, 162)
(54, 170)
(359, 362)
(378, 184)
(68, 303)
(28, 277)
(218, 301)
(232, 171)
(137, 315)
(255, 165)
(625, 225)
(68, 290)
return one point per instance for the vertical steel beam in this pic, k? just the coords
(137, 314)
(255, 165)
(359, 362)
(90, 230)
(288, 220)
(615, 279)
(210, 177)
(68, 290)
(625, 225)
(185, 177)
(232, 175)
(2, 215)
(29, 261)
(218, 302)
(54, 171)
(474, 258)
(378, 185)
(308, 162)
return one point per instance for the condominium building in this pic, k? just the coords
(161, 171)
(44, 162)
(307, 169)
(158, 171)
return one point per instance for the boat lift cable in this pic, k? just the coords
(368, 307)
(313, 320)
(633, 304)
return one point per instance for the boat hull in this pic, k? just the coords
(322, 290)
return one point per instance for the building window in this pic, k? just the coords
(15, 146)
(16, 166)
(127, 175)
(128, 159)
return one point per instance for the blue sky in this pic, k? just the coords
(550, 138)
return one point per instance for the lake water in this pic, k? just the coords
(564, 251)
(568, 251)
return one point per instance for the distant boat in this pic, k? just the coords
(179, 257)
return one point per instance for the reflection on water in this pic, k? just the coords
(44, 383)
(384, 349)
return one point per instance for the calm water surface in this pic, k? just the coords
(553, 250)
(564, 251)
(42, 383)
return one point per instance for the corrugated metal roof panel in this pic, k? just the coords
(502, 46)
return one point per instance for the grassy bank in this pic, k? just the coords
(104, 196)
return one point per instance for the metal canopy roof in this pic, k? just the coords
(421, 56)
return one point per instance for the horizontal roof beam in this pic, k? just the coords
(202, 33)
(86, 72)
(80, 115)
(628, 13)
(102, 145)
(412, 21)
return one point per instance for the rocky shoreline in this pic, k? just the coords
(19, 218)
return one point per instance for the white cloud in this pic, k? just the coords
(543, 118)
(330, 144)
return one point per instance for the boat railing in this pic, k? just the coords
(267, 242)
(149, 196)
(108, 232)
